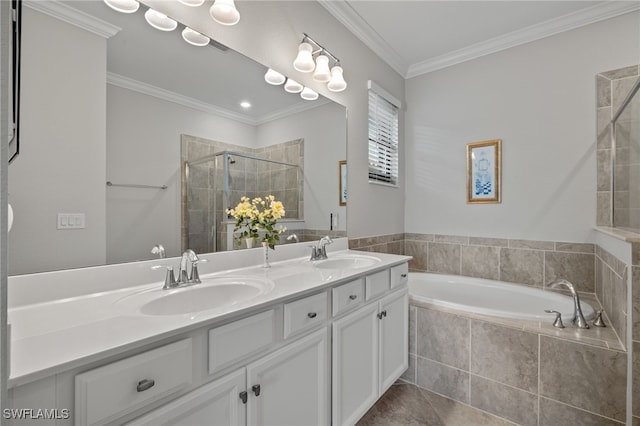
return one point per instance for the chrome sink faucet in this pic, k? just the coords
(578, 318)
(319, 250)
(184, 277)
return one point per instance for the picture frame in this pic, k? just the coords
(484, 168)
(342, 182)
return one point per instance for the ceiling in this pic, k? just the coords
(420, 36)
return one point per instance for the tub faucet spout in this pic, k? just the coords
(578, 317)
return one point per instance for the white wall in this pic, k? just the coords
(324, 130)
(539, 98)
(143, 147)
(269, 32)
(61, 164)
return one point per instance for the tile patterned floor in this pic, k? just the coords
(409, 405)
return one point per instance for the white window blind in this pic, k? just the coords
(383, 139)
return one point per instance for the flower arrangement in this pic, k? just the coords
(258, 214)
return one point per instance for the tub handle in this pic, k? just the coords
(558, 321)
(599, 322)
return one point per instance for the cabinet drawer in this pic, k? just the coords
(305, 313)
(116, 389)
(399, 275)
(377, 284)
(233, 342)
(347, 296)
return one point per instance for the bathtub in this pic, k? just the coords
(494, 298)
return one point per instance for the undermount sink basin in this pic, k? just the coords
(351, 261)
(212, 293)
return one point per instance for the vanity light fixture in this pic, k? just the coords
(192, 3)
(337, 83)
(224, 12)
(160, 21)
(308, 94)
(326, 67)
(124, 6)
(293, 86)
(194, 37)
(274, 77)
(322, 73)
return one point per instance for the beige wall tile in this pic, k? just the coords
(505, 355)
(480, 262)
(504, 401)
(577, 268)
(443, 337)
(522, 266)
(583, 376)
(444, 258)
(442, 379)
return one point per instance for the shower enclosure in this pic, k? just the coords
(625, 137)
(217, 182)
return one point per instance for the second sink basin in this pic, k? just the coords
(212, 293)
(347, 262)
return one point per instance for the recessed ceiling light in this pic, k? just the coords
(245, 104)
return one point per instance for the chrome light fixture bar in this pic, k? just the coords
(326, 68)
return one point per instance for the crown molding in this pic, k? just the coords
(347, 16)
(344, 13)
(590, 15)
(73, 16)
(186, 101)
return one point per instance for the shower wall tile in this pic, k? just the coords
(604, 169)
(444, 258)
(635, 300)
(577, 268)
(620, 89)
(450, 382)
(586, 377)
(553, 413)
(522, 266)
(505, 355)
(603, 90)
(603, 128)
(629, 71)
(480, 262)
(504, 401)
(603, 213)
(635, 391)
(443, 337)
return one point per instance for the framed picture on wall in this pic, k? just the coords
(483, 171)
(342, 180)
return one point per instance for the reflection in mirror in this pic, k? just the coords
(79, 133)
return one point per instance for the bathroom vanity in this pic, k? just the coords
(317, 344)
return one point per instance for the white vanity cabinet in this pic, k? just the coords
(288, 387)
(370, 351)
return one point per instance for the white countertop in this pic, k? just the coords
(57, 335)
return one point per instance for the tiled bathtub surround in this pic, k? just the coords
(611, 290)
(392, 244)
(514, 373)
(527, 262)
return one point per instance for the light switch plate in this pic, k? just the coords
(71, 221)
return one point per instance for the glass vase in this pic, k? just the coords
(265, 260)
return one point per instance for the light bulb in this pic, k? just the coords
(191, 3)
(224, 12)
(274, 77)
(308, 94)
(124, 6)
(322, 73)
(293, 86)
(194, 37)
(160, 21)
(304, 60)
(337, 83)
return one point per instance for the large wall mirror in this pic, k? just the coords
(115, 100)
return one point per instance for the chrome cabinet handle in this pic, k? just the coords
(382, 314)
(256, 389)
(403, 275)
(312, 314)
(353, 297)
(145, 384)
(243, 396)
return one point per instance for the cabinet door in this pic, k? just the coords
(355, 364)
(217, 403)
(293, 384)
(394, 338)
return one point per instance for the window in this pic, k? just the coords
(383, 136)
